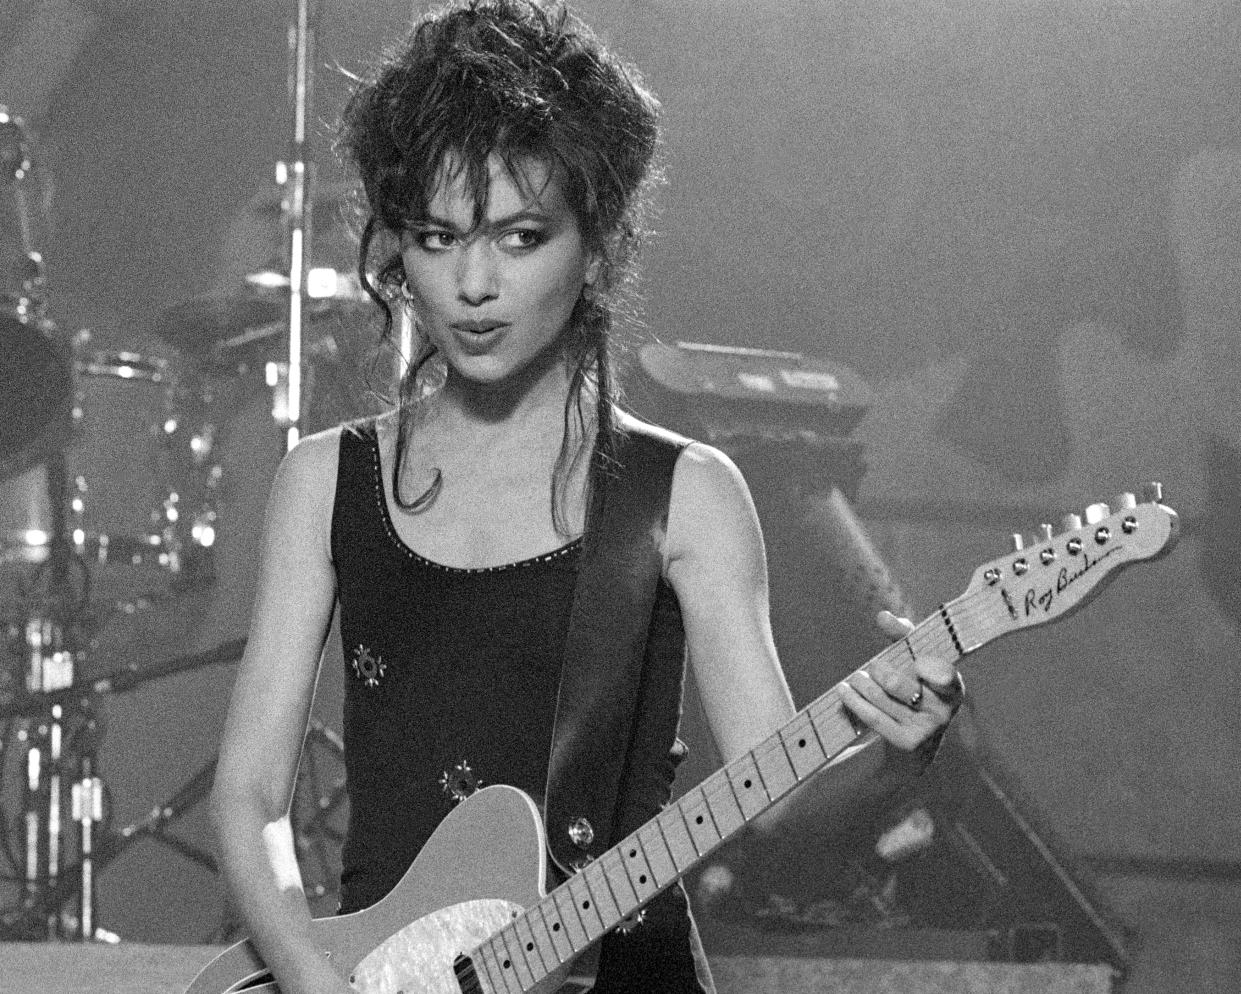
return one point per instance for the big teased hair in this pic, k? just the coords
(521, 80)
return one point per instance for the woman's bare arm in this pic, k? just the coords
(267, 720)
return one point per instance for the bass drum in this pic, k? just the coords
(36, 391)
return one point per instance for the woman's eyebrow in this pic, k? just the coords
(530, 213)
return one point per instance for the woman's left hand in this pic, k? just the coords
(905, 708)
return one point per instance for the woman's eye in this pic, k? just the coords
(522, 238)
(435, 240)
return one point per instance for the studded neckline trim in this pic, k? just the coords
(399, 543)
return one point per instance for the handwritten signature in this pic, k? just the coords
(1036, 600)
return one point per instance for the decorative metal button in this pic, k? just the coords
(459, 782)
(581, 832)
(368, 667)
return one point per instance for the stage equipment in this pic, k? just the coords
(46, 637)
(319, 799)
(56, 389)
(301, 45)
(738, 397)
(35, 385)
(786, 419)
(956, 869)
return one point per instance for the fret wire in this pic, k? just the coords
(643, 871)
(801, 742)
(667, 845)
(772, 748)
(554, 933)
(507, 974)
(618, 860)
(591, 909)
(531, 945)
(595, 870)
(676, 823)
(755, 802)
(817, 737)
(558, 896)
(832, 715)
(719, 796)
(698, 808)
(660, 878)
(520, 963)
(688, 831)
(491, 965)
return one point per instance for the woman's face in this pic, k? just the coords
(495, 299)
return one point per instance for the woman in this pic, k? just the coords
(506, 157)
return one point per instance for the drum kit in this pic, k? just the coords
(57, 389)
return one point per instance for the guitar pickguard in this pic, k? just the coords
(419, 958)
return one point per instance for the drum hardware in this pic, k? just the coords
(59, 729)
(298, 214)
(34, 377)
(319, 793)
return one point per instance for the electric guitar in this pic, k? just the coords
(472, 916)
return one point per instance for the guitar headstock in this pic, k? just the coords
(1046, 577)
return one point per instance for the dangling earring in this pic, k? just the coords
(404, 292)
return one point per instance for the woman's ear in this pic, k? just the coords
(593, 267)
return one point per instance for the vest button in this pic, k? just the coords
(581, 833)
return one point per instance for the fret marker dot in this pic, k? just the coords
(556, 926)
(507, 964)
(801, 743)
(529, 947)
(642, 879)
(698, 820)
(747, 784)
(585, 905)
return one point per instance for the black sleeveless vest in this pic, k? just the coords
(614, 749)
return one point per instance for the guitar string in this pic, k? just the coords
(929, 634)
(976, 610)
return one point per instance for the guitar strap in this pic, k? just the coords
(618, 577)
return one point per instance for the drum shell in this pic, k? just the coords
(36, 389)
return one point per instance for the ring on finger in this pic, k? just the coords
(950, 693)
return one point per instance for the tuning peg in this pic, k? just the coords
(1124, 502)
(1045, 532)
(1096, 513)
(1153, 492)
(1070, 523)
(1018, 542)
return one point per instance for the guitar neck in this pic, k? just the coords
(623, 879)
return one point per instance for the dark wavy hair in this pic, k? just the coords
(521, 80)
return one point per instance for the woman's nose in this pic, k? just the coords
(476, 274)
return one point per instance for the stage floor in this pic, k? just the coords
(131, 968)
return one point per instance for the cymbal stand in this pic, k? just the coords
(297, 216)
(46, 893)
(57, 735)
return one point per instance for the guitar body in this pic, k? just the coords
(486, 861)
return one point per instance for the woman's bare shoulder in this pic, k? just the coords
(305, 483)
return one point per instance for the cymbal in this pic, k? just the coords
(216, 323)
